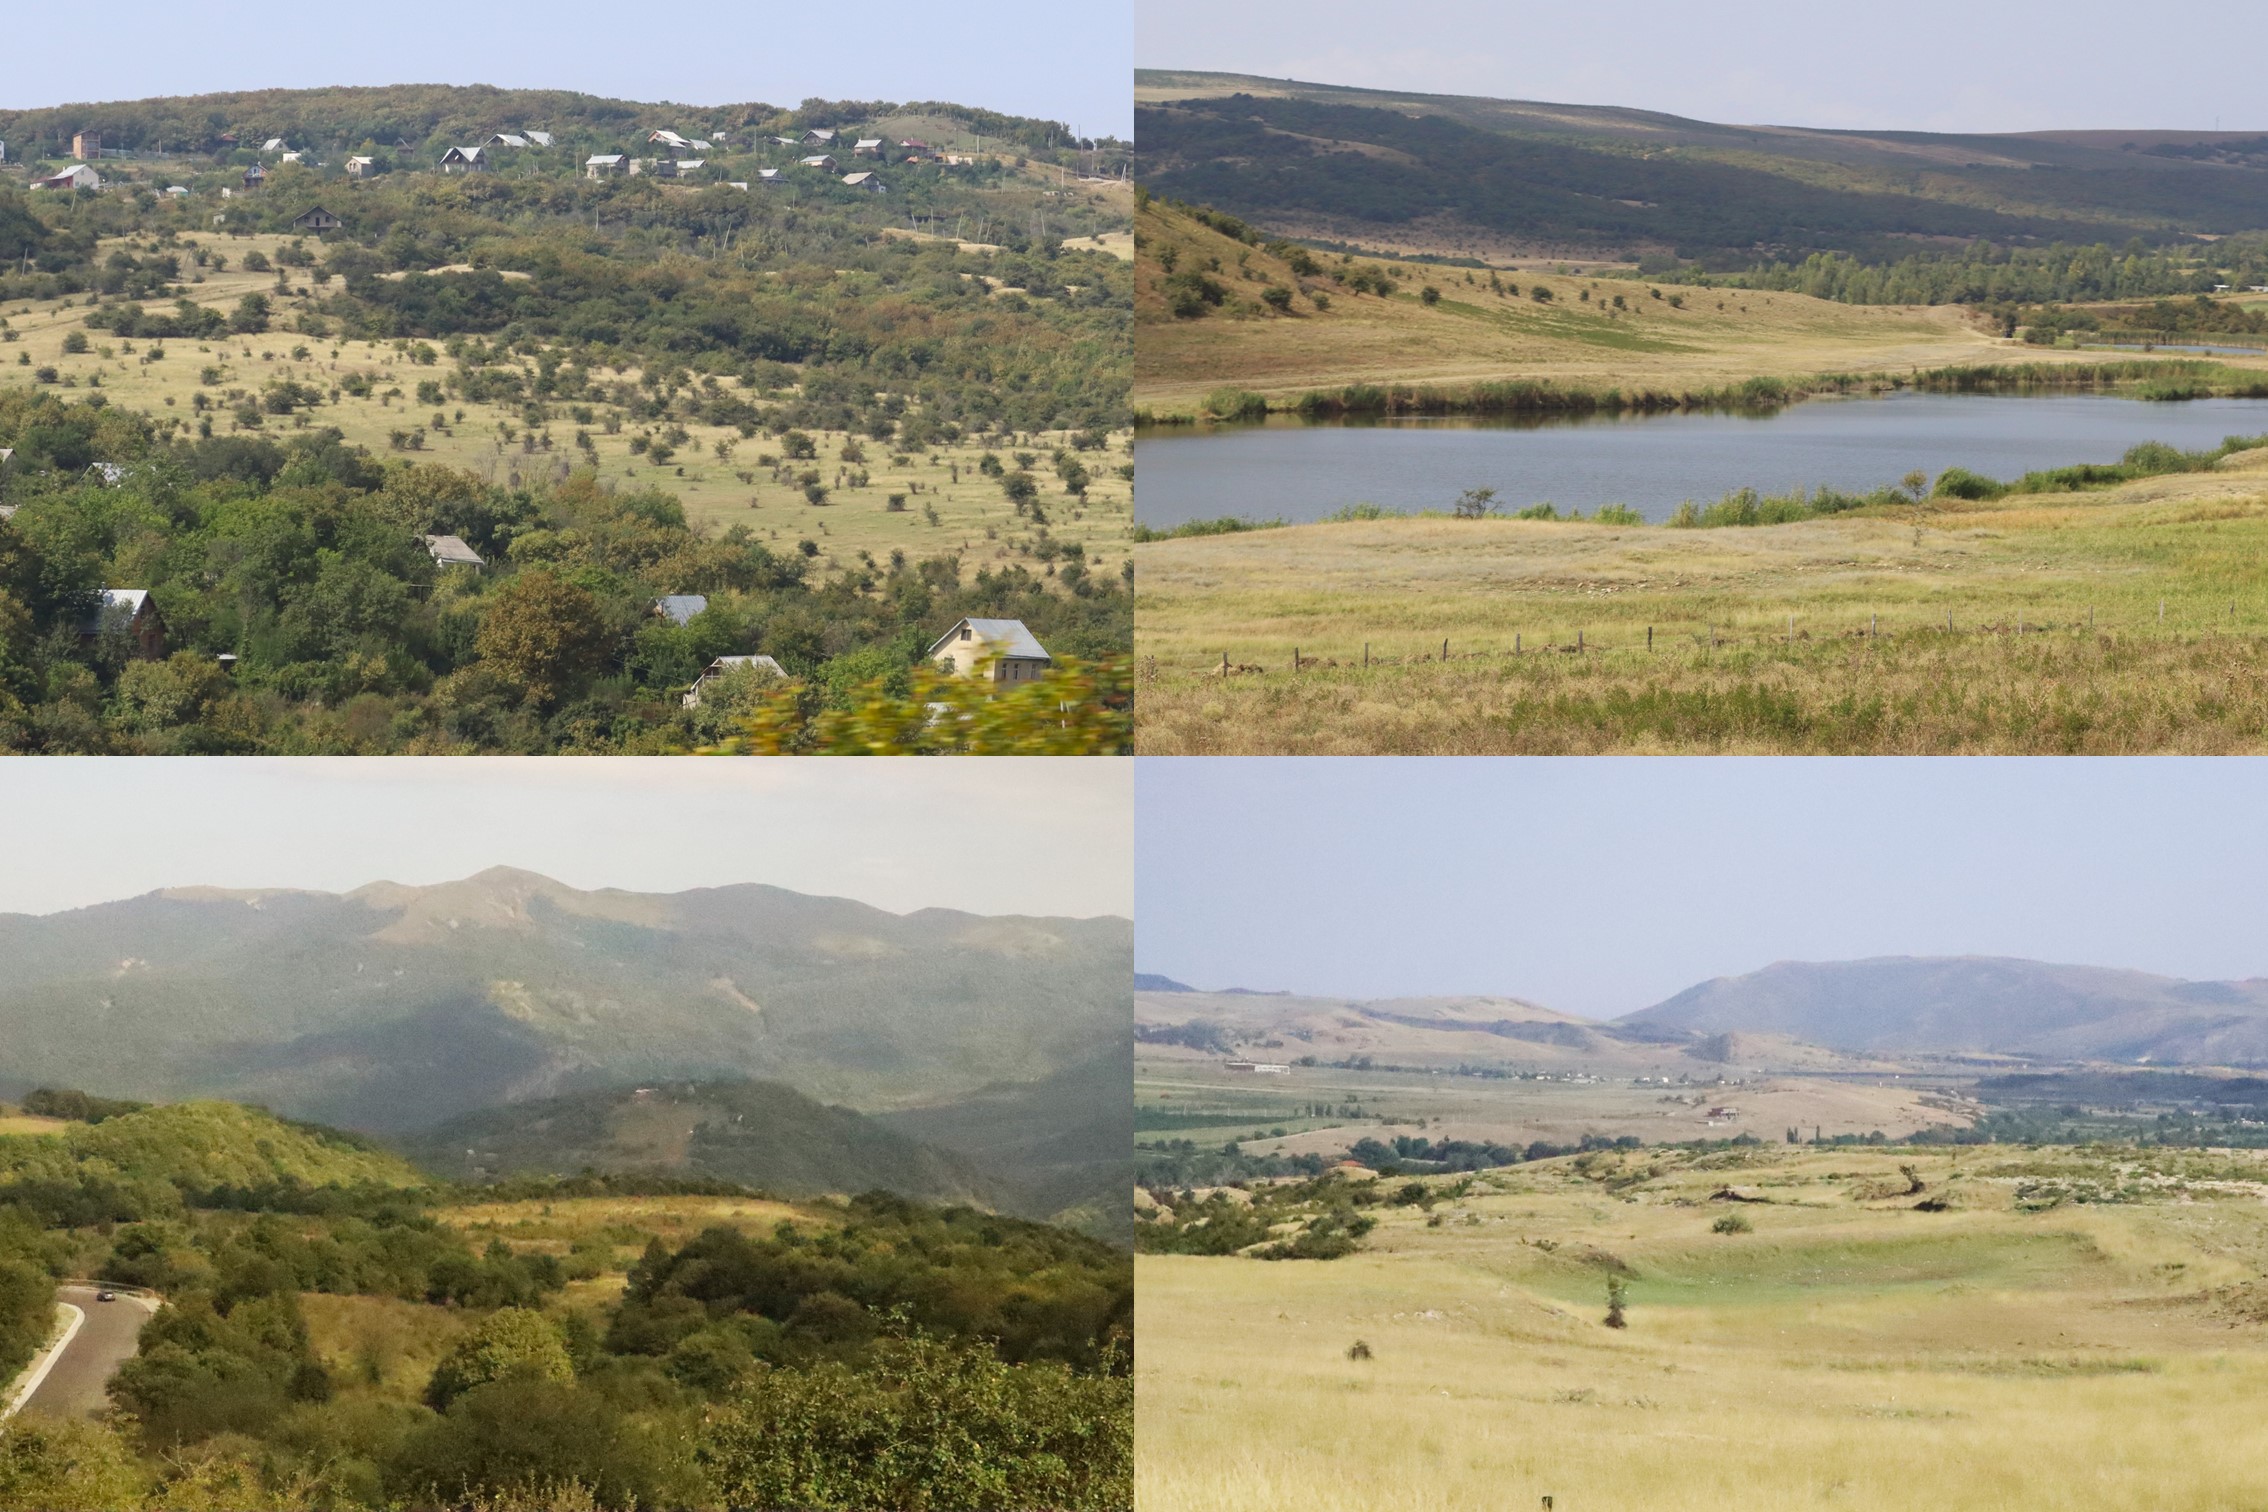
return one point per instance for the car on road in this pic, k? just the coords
(106, 1296)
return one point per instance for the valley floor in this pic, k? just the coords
(2076, 1330)
(2124, 621)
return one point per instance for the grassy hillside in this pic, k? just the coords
(1349, 320)
(2001, 1327)
(1508, 177)
(844, 417)
(2057, 644)
(199, 1147)
(751, 1134)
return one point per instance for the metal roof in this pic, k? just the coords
(680, 607)
(1006, 637)
(449, 549)
(724, 664)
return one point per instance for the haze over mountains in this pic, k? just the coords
(1790, 1013)
(1520, 177)
(392, 1009)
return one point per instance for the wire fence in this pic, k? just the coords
(1797, 631)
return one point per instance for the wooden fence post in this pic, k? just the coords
(1366, 653)
(1444, 650)
(1295, 658)
(1578, 641)
(1649, 637)
(1224, 664)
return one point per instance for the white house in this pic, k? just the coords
(871, 183)
(77, 176)
(451, 551)
(608, 165)
(725, 666)
(1015, 654)
(465, 160)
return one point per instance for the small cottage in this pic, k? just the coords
(608, 165)
(362, 167)
(726, 666)
(868, 147)
(127, 612)
(871, 183)
(819, 138)
(317, 221)
(465, 160)
(255, 176)
(274, 144)
(451, 551)
(77, 176)
(506, 139)
(1000, 648)
(667, 139)
(822, 161)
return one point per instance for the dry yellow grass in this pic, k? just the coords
(1579, 340)
(25, 1123)
(973, 517)
(1848, 1354)
(2023, 581)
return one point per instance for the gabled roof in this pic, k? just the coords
(175, 189)
(540, 138)
(685, 164)
(604, 157)
(861, 180)
(364, 161)
(465, 154)
(677, 608)
(272, 144)
(6, 452)
(314, 212)
(789, 141)
(869, 141)
(699, 146)
(724, 664)
(506, 139)
(767, 174)
(128, 602)
(1006, 637)
(449, 550)
(670, 138)
(821, 161)
(816, 134)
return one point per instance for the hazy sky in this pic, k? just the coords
(1602, 885)
(1040, 58)
(991, 835)
(1935, 65)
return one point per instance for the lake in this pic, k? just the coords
(1300, 471)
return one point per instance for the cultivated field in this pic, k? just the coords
(1828, 635)
(2067, 1330)
(946, 503)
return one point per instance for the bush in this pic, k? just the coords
(1732, 1223)
(513, 1344)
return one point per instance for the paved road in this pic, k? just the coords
(74, 1388)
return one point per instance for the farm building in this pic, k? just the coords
(362, 167)
(126, 611)
(451, 551)
(317, 220)
(870, 182)
(1014, 654)
(465, 160)
(725, 666)
(821, 161)
(678, 608)
(608, 165)
(77, 176)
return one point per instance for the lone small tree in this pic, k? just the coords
(1476, 503)
(1617, 1298)
(1358, 1350)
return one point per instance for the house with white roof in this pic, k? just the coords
(506, 139)
(821, 161)
(451, 551)
(606, 165)
(362, 167)
(128, 612)
(77, 176)
(729, 666)
(868, 147)
(870, 182)
(819, 138)
(1002, 649)
(540, 138)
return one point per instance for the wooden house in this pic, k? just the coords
(316, 221)
(255, 176)
(820, 161)
(726, 666)
(867, 147)
(606, 165)
(465, 160)
(127, 612)
(362, 167)
(818, 138)
(870, 182)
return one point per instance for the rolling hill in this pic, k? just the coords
(1502, 178)
(1980, 1005)
(198, 1146)
(754, 1134)
(395, 1008)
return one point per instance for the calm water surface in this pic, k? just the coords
(1298, 471)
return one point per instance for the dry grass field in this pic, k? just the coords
(946, 502)
(1579, 339)
(1827, 635)
(2074, 1332)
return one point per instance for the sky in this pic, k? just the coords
(993, 835)
(1602, 885)
(1058, 62)
(1924, 65)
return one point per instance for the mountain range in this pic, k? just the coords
(1793, 1014)
(397, 1009)
(1384, 168)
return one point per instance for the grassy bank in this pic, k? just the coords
(1846, 1350)
(2124, 619)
